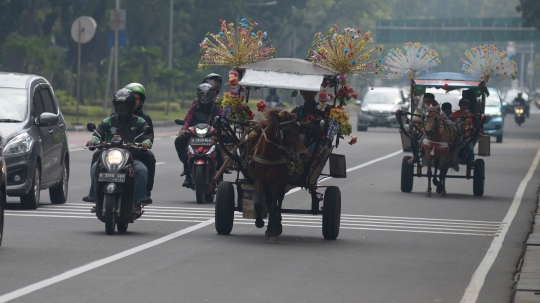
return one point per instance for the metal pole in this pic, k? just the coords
(116, 16)
(107, 85)
(171, 32)
(522, 69)
(78, 74)
(532, 70)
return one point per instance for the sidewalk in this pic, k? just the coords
(528, 285)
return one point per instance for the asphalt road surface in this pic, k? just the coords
(392, 246)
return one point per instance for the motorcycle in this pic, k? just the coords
(114, 181)
(202, 160)
(519, 114)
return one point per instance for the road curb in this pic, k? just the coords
(527, 289)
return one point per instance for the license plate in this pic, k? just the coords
(112, 177)
(201, 141)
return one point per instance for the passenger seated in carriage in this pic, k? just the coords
(306, 112)
(465, 124)
(429, 100)
(446, 109)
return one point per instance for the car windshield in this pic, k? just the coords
(451, 98)
(492, 101)
(13, 104)
(374, 97)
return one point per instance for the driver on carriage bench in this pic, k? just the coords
(460, 118)
(307, 112)
(201, 112)
(428, 99)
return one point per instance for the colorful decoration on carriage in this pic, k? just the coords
(489, 61)
(235, 45)
(413, 60)
(262, 106)
(344, 52)
(232, 101)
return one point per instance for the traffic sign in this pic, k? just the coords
(83, 28)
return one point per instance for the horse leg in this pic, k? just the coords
(435, 181)
(428, 192)
(444, 171)
(278, 215)
(259, 222)
(272, 221)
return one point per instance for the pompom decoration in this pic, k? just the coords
(235, 46)
(489, 61)
(344, 52)
(416, 60)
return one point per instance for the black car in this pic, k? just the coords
(2, 192)
(35, 142)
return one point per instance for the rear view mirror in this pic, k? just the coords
(179, 121)
(91, 126)
(47, 119)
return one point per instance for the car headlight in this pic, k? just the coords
(201, 133)
(20, 144)
(365, 110)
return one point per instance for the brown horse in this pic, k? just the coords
(439, 138)
(277, 145)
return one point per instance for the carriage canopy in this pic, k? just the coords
(284, 73)
(449, 80)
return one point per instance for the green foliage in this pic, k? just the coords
(174, 107)
(64, 99)
(530, 10)
(84, 110)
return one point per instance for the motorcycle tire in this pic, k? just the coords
(200, 187)
(110, 216)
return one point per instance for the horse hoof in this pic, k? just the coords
(259, 223)
(266, 236)
(443, 194)
(272, 240)
(428, 194)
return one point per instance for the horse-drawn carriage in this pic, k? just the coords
(268, 159)
(439, 141)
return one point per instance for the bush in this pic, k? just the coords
(84, 111)
(64, 99)
(174, 107)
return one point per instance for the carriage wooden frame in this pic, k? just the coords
(282, 73)
(446, 81)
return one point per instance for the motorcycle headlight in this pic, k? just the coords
(20, 144)
(114, 160)
(211, 150)
(201, 133)
(115, 157)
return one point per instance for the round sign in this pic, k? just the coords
(85, 28)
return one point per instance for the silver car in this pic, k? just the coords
(379, 107)
(35, 142)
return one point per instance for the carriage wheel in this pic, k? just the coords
(224, 215)
(407, 172)
(479, 177)
(331, 213)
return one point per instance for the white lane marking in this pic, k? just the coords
(352, 169)
(160, 163)
(479, 276)
(80, 270)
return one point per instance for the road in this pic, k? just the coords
(392, 247)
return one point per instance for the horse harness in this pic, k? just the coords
(288, 151)
(435, 145)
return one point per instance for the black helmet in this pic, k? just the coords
(124, 97)
(214, 77)
(206, 94)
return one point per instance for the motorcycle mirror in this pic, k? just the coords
(147, 130)
(91, 126)
(179, 121)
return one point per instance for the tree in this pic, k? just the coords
(530, 10)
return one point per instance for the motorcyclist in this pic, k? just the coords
(128, 126)
(519, 101)
(147, 157)
(201, 112)
(214, 80)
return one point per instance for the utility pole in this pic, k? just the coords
(117, 14)
(171, 32)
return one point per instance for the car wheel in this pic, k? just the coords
(499, 138)
(31, 199)
(59, 193)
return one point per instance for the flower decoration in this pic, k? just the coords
(232, 101)
(353, 140)
(262, 106)
(416, 60)
(345, 93)
(340, 116)
(234, 46)
(486, 61)
(344, 52)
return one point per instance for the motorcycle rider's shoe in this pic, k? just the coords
(93, 209)
(147, 201)
(187, 183)
(183, 174)
(88, 199)
(136, 208)
(472, 163)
